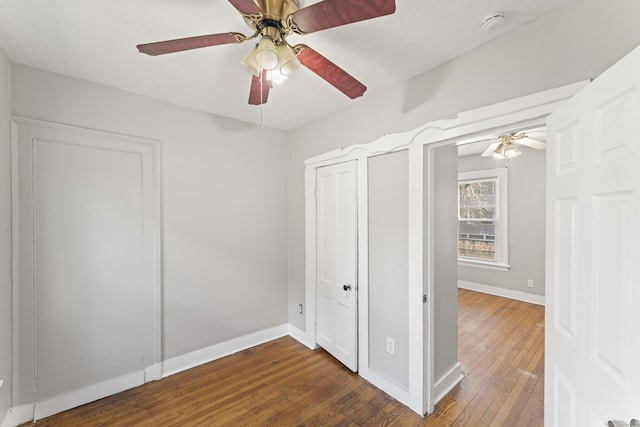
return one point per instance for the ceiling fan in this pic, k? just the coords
(505, 145)
(272, 21)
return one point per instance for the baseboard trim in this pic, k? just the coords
(301, 336)
(386, 385)
(217, 351)
(26, 413)
(448, 381)
(153, 372)
(18, 415)
(87, 394)
(501, 292)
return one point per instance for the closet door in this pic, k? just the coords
(337, 262)
(87, 214)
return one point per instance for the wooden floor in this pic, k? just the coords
(282, 383)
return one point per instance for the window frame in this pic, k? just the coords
(501, 218)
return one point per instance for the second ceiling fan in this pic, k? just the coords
(272, 21)
(505, 145)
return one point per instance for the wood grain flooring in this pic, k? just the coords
(282, 383)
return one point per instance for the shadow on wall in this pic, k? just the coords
(423, 88)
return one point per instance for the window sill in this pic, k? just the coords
(484, 264)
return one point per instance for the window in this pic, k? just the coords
(482, 218)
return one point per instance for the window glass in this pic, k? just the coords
(477, 219)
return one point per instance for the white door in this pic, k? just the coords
(337, 258)
(592, 367)
(88, 286)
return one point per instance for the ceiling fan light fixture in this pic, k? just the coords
(250, 63)
(498, 153)
(506, 149)
(275, 76)
(266, 54)
(289, 62)
(511, 151)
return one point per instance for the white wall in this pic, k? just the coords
(445, 257)
(389, 265)
(224, 199)
(5, 237)
(526, 207)
(576, 42)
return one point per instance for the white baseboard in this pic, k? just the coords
(393, 389)
(301, 337)
(448, 381)
(18, 415)
(153, 372)
(87, 394)
(502, 292)
(208, 354)
(57, 404)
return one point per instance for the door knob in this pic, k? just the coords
(347, 287)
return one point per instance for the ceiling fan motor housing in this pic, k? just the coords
(274, 14)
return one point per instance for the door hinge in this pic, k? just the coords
(424, 298)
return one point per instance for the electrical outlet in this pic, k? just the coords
(530, 283)
(391, 346)
(300, 308)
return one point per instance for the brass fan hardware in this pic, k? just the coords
(505, 147)
(273, 57)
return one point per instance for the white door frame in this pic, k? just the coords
(149, 151)
(424, 390)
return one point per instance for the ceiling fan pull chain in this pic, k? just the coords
(261, 100)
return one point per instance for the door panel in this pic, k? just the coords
(89, 259)
(336, 272)
(88, 288)
(593, 248)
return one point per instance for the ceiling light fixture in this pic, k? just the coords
(288, 61)
(505, 146)
(272, 54)
(266, 55)
(506, 149)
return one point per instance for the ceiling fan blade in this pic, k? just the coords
(538, 145)
(246, 7)
(333, 13)
(491, 149)
(179, 45)
(329, 71)
(259, 93)
(537, 135)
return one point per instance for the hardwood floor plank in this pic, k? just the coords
(282, 383)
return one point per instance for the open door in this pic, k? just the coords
(592, 366)
(337, 262)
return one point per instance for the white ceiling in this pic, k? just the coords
(95, 40)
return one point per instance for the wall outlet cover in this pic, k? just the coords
(391, 346)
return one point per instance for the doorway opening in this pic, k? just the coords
(501, 305)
